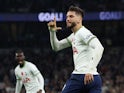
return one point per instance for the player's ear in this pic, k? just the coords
(78, 21)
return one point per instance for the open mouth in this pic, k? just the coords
(20, 62)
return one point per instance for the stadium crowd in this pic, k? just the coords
(29, 6)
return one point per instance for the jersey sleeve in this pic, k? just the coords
(34, 69)
(18, 82)
(41, 81)
(16, 75)
(86, 36)
(18, 86)
(69, 39)
(58, 44)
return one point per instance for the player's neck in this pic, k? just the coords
(22, 65)
(76, 28)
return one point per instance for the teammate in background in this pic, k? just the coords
(87, 52)
(27, 74)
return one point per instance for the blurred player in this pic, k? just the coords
(87, 52)
(27, 74)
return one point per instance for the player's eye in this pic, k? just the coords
(71, 16)
(19, 56)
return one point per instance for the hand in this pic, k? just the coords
(88, 78)
(40, 91)
(52, 25)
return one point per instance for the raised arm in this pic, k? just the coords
(55, 43)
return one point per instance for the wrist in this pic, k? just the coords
(51, 29)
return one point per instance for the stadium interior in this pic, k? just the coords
(33, 38)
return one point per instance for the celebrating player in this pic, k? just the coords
(27, 74)
(87, 52)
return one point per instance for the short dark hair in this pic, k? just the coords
(77, 10)
(19, 51)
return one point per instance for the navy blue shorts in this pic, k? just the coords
(76, 85)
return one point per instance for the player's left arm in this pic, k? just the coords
(97, 50)
(97, 47)
(39, 77)
(41, 82)
(94, 44)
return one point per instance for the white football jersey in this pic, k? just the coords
(27, 75)
(87, 49)
(83, 54)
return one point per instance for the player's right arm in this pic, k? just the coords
(55, 43)
(18, 86)
(18, 83)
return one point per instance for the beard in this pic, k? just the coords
(73, 24)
